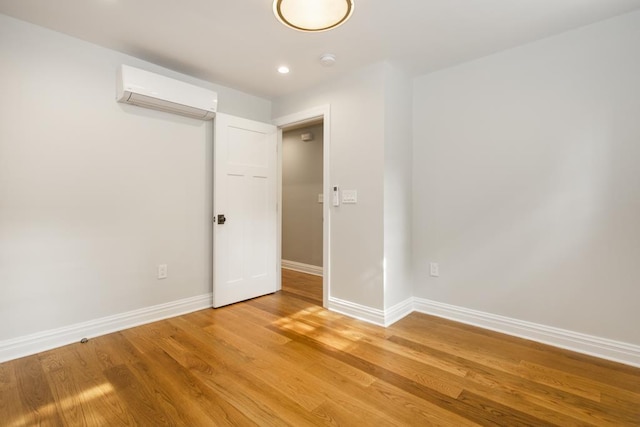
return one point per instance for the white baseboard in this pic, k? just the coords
(372, 315)
(398, 311)
(362, 312)
(616, 351)
(302, 268)
(42, 341)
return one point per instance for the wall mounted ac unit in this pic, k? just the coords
(149, 90)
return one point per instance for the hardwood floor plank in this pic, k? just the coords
(289, 373)
(139, 398)
(209, 347)
(342, 414)
(418, 410)
(603, 371)
(578, 384)
(304, 286)
(498, 414)
(11, 409)
(419, 372)
(395, 403)
(465, 338)
(190, 393)
(386, 346)
(35, 394)
(100, 402)
(419, 328)
(103, 406)
(624, 409)
(245, 326)
(122, 350)
(324, 365)
(537, 399)
(161, 383)
(300, 296)
(65, 389)
(565, 382)
(503, 387)
(227, 369)
(258, 400)
(473, 413)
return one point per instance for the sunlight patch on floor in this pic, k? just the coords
(300, 323)
(69, 403)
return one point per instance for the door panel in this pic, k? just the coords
(244, 190)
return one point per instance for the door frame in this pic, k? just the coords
(321, 112)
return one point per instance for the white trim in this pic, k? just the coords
(616, 351)
(362, 312)
(398, 311)
(372, 315)
(324, 112)
(42, 341)
(301, 267)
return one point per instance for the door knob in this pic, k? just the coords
(221, 219)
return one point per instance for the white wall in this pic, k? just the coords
(301, 185)
(527, 184)
(397, 186)
(93, 193)
(371, 146)
(357, 133)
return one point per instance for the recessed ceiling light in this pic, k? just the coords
(283, 69)
(316, 15)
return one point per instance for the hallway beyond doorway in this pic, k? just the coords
(302, 285)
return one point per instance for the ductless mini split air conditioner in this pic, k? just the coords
(149, 90)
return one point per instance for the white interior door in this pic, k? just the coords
(244, 192)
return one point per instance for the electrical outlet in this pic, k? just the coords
(162, 271)
(434, 270)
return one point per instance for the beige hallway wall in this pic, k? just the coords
(301, 185)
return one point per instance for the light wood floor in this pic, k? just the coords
(283, 360)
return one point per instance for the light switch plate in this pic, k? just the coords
(320, 198)
(349, 196)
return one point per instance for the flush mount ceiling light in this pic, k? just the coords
(313, 15)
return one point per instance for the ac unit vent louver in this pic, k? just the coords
(149, 90)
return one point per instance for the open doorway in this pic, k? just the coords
(302, 210)
(307, 270)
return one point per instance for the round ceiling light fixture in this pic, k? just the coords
(313, 15)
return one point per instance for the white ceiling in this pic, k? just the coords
(239, 43)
